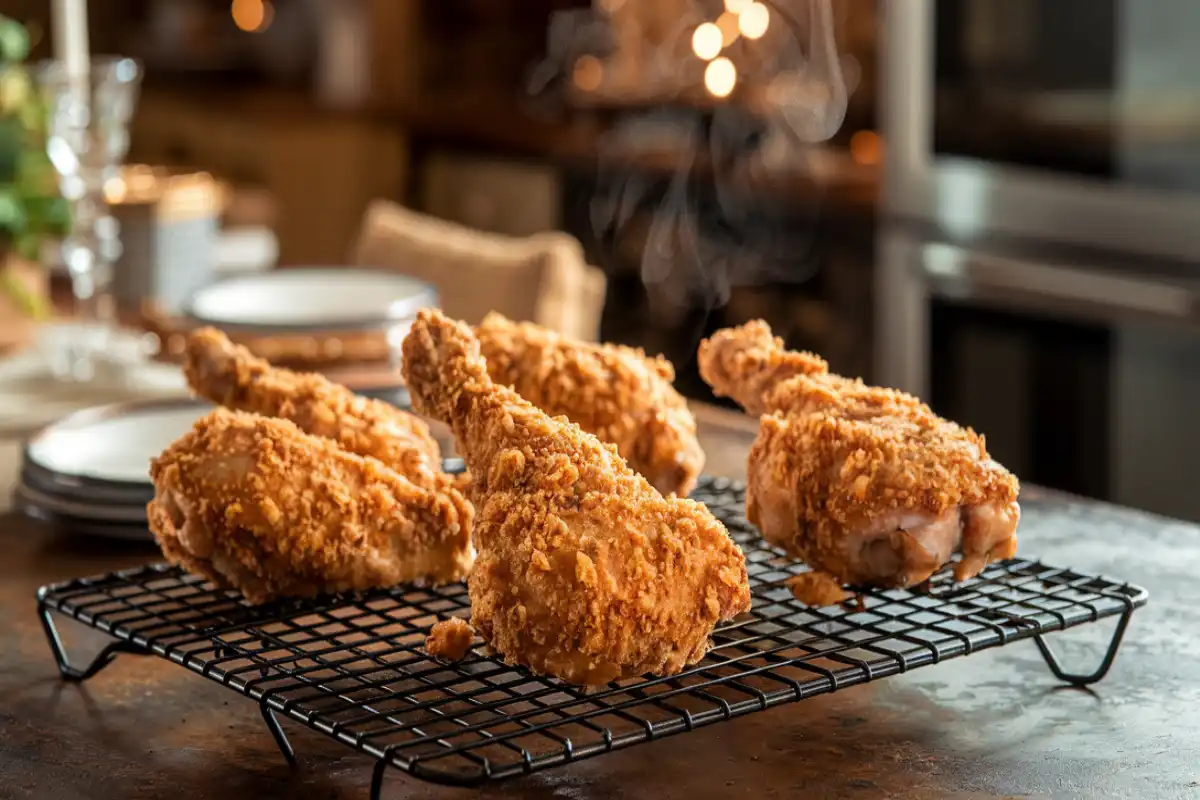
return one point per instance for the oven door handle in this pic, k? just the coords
(957, 272)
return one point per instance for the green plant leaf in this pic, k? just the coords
(12, 144)
(46, 216)
(29, 302)
(14, 40)
(28, 245)
(31, 208)
(12, 211)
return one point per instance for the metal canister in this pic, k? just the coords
(169, 228)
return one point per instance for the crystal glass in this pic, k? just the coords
(87, 140)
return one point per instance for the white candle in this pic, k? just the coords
(71, 36)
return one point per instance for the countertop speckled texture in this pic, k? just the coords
(993, 725)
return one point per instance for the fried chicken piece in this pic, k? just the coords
(817, 589)
(450, 639)
(257, 505)
(585, 571)
(229, 375)
(746, 363)
(863, 483)
(614, 392)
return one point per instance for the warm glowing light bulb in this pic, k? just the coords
(728, 25)
(588, 73)
(866, 148)
(753, 20)
(720, 77)
(252, 15)
(736, 6)
(707, 41)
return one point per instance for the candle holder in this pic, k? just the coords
(87, 140)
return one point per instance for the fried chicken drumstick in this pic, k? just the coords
(257, 505)
(584, 571)
(865, 484)
(616, 393)
(229, 375)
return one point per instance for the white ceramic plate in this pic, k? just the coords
(128, 515)
(310, 299)
(109, 530)
(113, 444)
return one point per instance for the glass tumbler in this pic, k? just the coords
(88, 118)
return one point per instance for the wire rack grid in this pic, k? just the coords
(354, 667)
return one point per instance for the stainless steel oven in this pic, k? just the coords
(1038, 267)
(1081, 367)
(1066, 120)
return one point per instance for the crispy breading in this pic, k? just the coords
(450, 639)
(258, 505)
(231, 376)
(745, 363)
(864, 483)
(817, 589)
(617, 393)
(585, 571)
(872, 451)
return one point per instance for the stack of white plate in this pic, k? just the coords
(89, 472)
(314, 301)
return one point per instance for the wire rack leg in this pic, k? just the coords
(377, 779)
(281, 739)
(102, 659)
(1080, 679)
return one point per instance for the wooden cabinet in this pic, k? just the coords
(321, 169)
(518, 197)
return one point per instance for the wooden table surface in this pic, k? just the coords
(995, 724)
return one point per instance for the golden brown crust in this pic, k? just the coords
(616, 393)
(817, 589)
(584, 570)
(229, 375)
(450, 639)
(256, 504)
(745, 363)
(844, 475)
(839, 465)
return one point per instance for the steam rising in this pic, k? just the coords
(710, 223)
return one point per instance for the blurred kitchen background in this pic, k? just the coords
(992, 203)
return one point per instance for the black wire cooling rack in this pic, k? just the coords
(353, 667)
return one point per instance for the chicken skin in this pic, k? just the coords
(257, 505)
(584, 571)
(616, 393)
(229, 375)
(864, 484)
(747, 363)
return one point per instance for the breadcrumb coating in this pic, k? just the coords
(257, 505)
(616, 393)
(864, 483)
(585, 571)
(229, 375)
(745, 363)
(817, 589)
(450, 639)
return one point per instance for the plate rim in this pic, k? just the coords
(427, 298)
(40, 479)
(72, 526)
(84, 512)
(85, 417)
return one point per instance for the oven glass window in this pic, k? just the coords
(1108, 89)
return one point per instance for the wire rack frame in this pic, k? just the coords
(354, 668)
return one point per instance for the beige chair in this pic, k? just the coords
(543, 278)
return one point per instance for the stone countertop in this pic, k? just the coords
(995, 724)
